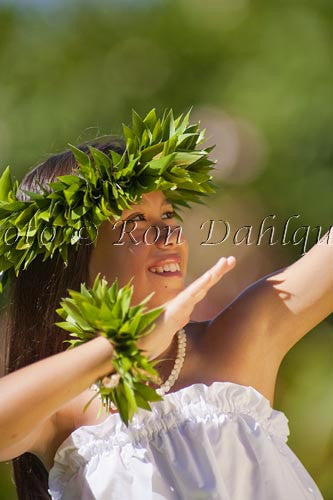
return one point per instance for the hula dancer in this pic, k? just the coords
(111, 390)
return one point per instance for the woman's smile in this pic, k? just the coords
(160, 272)
(167, 266)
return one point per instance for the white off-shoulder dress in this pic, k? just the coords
(217, 442)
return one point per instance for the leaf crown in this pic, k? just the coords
(160, 154)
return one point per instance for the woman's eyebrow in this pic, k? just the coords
(166, 201)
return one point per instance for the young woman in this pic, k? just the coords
(215, 435)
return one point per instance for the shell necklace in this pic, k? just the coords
(166, 386)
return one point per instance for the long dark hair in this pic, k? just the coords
(35, 294)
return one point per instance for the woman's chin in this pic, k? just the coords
(173, 281)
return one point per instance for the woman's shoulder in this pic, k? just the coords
(66, 420)
(234, 348)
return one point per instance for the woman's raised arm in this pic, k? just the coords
(280, 308)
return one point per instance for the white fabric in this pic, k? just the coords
(216, 442)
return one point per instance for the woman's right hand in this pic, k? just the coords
(177, 311)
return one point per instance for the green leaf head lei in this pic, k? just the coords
(160, 154)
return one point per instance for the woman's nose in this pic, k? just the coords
(168, 235)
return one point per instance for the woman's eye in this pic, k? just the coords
(137, 215)
(171, 214)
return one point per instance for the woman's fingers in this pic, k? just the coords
(196, 291)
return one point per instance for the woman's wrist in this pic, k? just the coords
(105, 367)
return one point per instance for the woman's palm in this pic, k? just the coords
(178, 310)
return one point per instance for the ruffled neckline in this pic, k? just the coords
(188, 402)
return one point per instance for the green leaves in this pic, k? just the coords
(106, 310)
(5, 184)
(160, 154)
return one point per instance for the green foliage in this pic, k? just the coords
(160, 155)
(106, 311)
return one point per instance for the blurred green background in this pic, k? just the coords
(259, 77)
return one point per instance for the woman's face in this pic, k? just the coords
(117, 255)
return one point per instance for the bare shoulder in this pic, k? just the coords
(235, 345)
(61, 425)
